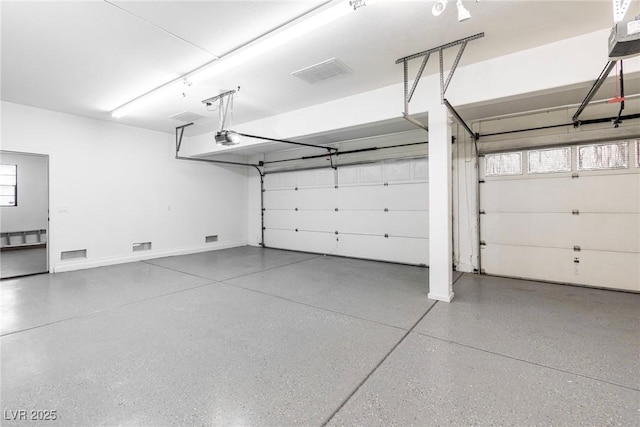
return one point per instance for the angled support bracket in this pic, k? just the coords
(179, 134)
(444, 82)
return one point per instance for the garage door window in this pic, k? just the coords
(603, 156)
(551, 160)
(503, 164)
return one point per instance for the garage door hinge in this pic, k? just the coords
(575, 175)
(483, 243)
(576, 260)
(296, 188)
(481, 181)
(575, 212)
(386, 209)
(386, 184)
(482, 212)
(296, 209)
(336, 209)
(386, 236)
(576, 248)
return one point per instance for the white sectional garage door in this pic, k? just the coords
(567, 214)
(375, 211)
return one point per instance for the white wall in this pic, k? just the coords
(31, 210)
(113, 185)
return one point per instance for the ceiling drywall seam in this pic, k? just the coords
(164, 30)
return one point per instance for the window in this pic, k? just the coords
(603, 156)
(503, 164)
(551, 160)
(8, 185)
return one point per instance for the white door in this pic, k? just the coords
(567, 214)
(375, 211)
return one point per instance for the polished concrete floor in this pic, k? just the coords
(251, 336)
(22, 262)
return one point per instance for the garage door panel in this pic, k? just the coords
(412, 251)
(407, 223)
(528, 229)
(280, 199)
(526, 195)
(550, 264)
(318, 220)
(301, 241)
(313, 198)
(609, 270)
(369, 197)
(607, 232)
(412, 196)
(284, 219)
(610, 232)
(364, 222)
(616, 193)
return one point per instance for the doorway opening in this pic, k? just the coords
(24, 221)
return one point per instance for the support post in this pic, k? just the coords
(440, 209)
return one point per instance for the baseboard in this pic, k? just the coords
(82, 264)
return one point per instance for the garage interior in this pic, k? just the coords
(320, 212)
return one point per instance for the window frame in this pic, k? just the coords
(14, 186)
(581, 168)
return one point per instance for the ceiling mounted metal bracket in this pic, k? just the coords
(179, 134)
(225, 103)
(444, 83)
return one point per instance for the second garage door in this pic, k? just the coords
(567, 214)
(375, 211)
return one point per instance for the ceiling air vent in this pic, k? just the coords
(322, 71)
(187, 117)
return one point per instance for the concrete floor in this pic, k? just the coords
(22, 262)
(252, 336)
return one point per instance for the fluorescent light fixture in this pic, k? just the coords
(146, 99)
(620, 8)
(439, 7)
(463, 14)
(242, 55)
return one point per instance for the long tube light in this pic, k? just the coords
(242, 55)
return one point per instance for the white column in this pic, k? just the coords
(440, 211)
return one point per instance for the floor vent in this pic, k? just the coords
(187, 117)
(80, 253)
(143, 246)
(209, 239)
(322, 71)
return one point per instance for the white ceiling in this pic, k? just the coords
(89, 57)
